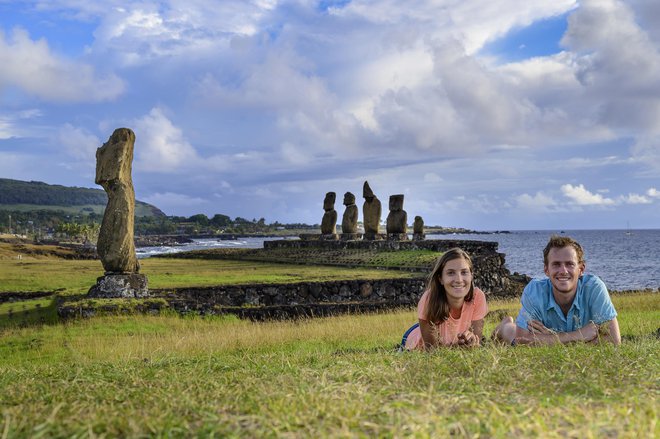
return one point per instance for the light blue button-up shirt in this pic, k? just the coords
(592, 303)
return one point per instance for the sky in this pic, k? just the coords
(506, 115)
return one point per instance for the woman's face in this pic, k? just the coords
(456, 278)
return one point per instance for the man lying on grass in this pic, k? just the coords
(567, 306)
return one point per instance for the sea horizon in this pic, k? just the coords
(625, 261)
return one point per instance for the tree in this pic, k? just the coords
(200, 219)
(220, 220)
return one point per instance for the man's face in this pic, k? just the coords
(563, 269)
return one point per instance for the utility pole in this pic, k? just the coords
(10, 224)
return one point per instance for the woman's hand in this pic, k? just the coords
(467, 339)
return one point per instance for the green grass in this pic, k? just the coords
(69, 276)
(331, 377)
(28, 312)
(420, 260)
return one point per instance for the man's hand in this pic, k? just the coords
(589, 332)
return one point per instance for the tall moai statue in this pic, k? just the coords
(371, 212)
(397, 220)
(350, 218)
(115, 245)
(329, 221)
(418, 229)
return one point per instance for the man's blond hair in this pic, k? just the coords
(561, 242)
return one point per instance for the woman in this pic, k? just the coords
(451, 311)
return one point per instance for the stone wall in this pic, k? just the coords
(440, 245)
(259, 301)
(395, 292)
(490, 274)
(322, 298)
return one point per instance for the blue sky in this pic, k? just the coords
(542, 114)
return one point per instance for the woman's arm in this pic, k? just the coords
(429, 334)
(478, 328)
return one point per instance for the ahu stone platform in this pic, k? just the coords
(286, 300)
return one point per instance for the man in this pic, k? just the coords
(567, 306)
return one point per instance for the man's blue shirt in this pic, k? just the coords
(592, 303)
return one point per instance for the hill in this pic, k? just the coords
(26, 196)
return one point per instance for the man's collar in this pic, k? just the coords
(552, 303)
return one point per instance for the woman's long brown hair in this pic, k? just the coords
(438, 306)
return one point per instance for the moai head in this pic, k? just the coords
(396, 202)
(329, 201)
(367, 193)
(349, 199)
(115, 157)
(418, 225)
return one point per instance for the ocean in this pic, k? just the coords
(624, 259)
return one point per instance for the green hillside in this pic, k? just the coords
(27, 196)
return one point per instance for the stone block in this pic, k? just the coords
(351, 236)
(374, 236)
(131, 285)
(309, 236)
(397, 237)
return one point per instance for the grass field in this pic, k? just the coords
(66, 276)
(169, 376)
(422, 260)
(172, 376)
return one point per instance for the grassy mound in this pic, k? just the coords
(413, 260)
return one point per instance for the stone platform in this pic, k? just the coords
(440, 245)
(131, 285)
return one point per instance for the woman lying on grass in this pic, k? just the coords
(451, 311)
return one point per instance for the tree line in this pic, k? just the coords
(36, 192)
(43, 194)
(85, 225)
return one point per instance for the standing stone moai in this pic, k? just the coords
(115, 245)
(397, 220)
(371, 211)
(329, 221)
(350, 219)
(418, 229)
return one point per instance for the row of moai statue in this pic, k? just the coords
(396, 224)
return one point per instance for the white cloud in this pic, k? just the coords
(636, 199)
(646, 151)
(287, 96)
(472, 22)
(11, 123)
(617, 65)
(537, 202)
(653, 192)
(294, 155)
(78, 143)
(140, 33)
(432, 177)
(580, 195)
(160, 146)
(32, 67)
